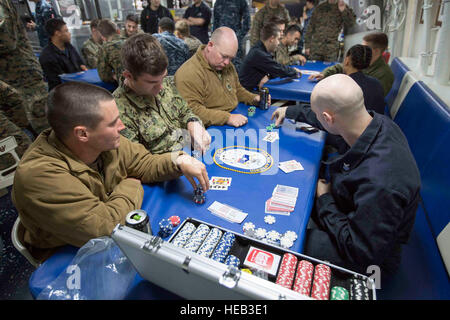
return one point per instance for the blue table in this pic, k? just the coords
(298, 89)
(247, 192)
(90, 76)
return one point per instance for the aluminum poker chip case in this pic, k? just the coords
(193, 276)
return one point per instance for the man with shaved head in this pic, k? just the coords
(366, 211)
(209, 83)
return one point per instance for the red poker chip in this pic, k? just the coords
(174, 220)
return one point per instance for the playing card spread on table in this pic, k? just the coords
(290, 166)
(219, 183)
(271, 136)
(227, 212)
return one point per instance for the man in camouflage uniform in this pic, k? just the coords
(327, 21)
(19, 67)
(177, 51)
(150, 106)
(235, 15)
(44, 12)
(272, 9)
(12, 120)
(92, 46)
(109, 64)
(291, 38)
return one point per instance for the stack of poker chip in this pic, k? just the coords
(251, 111)
(232, 261)
(223, 248)
(321, 284)
(273, 237)
(210, 242)
(175, 220)
(197, 238)
(286, 272)
(303, 279)
(358, 289)
(165, 228)
(184, 234)
(339, 293)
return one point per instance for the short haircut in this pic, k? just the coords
(75, 103)
(167, 24)
(107, 28)
(94, 23)
(269, 30)
(276, 20)
(53, 25)
(360, 56)
(312, 1)
(293, 28)
(183, 28)
(378, 40)
(132, 17)
(142, 53)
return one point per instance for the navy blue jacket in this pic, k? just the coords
(371, 208)
(259, 63)
(372, 90)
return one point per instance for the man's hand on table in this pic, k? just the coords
(200, 137)
(316, 77)
(257, 99)
(237, 120)
(192, 168)
(279, 115)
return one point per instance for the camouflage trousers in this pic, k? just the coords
(324, 51)
(8, 128)
(36, 105)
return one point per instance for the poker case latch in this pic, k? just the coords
(230, 277)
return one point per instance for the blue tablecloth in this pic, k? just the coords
(90, 76)
(247, 192)
(298, 89)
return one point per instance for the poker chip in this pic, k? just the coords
(210, 242)
(303, 278)
(248, 226)
(339, 293)
(232, 261)
(286, 271)
(286, 242)
(175, 220)
(269, 219)
(165, 228)
(197, 238)
(321, 283)
(223, 247)
(260, 233)
(184, 234)
(247, 270)
(291, 235)
(358, 289)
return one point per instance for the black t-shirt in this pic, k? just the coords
(202, 11)
(150, 18)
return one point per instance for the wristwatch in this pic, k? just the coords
(192, 119)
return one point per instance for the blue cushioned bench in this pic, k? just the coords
(425, 121)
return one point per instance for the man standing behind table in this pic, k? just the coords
(259, 66)
(209, 83)
(151, 15)
(327, 21)
(273, 8)
(198, 16)
(81, 178)
(366, 212)
(59, 56)
(150, 106)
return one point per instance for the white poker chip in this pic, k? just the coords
(291, 235)
(286, 242)
(269, 219)
(247, 226)
(260, 233)
(273, 235)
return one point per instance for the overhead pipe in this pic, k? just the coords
(442, 66)
(425, 54)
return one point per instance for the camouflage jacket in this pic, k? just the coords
(193, 43)
(233, 14)
(262, 16)
(18, 64)
(155, 122)
(324, 27)
(177, 50)
(90, 52)
(282, 55)
(109, 62)
(12, 105)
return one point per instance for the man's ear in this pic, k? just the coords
(328, 117)
(80, 133)
(127, 74)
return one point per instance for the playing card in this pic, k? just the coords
(285, 191)
(221, 181)
(271, 136)
(227, 212)
(290, 166)
(217, 186)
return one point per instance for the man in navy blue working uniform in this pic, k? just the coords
(43, 12)
(366, 212)
(198, 16)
